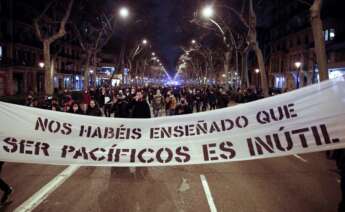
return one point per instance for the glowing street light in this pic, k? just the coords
(153, 54)
(41, 64)
(298, 64)
(223, 75)
(257, 70)
(124, 12)
(144, 41)
(193, 41)
(207, 12)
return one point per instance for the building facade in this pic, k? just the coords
(292, 61)
(21, 54)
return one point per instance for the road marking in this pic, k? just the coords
(300, 158)
(208, 194)
(46, 190)
(184, 186)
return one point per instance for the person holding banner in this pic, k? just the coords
(5, 188)
(141, 108)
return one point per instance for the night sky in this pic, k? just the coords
(166, 24)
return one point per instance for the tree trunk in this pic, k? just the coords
(226, 69)
(49, 71)
(319, 42)
(244, 75)
(236, 67)
(252, 36)
(87, 70)
(263, 76)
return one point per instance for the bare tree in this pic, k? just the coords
(239, 41)
(319, 41)
(254, 44)
(136, 57)
(47, 33)
(93, 35)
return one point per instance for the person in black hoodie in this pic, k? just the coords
(141, 108)
(121, 106)
(5, 188)
(93, 109)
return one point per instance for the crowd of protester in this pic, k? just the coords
(138, 102)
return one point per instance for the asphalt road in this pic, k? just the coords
(278, 184)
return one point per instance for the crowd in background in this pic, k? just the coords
(141, 102)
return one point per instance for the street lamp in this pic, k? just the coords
(193, 41)
(298, 64)
(153, 54)
(257, 71)
(41, 64)
(144, 41)
(207, 12)
(123, 12)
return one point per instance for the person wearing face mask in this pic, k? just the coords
(93, 109)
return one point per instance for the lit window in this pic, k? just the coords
(331, 34)
(326, 35)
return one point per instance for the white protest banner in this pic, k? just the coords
(306, 120)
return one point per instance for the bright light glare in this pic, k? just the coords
(257, 70)
(144, 41)
(41, 64)
(124, 12)
(193, 41)
(298, 64)
(207, 12)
